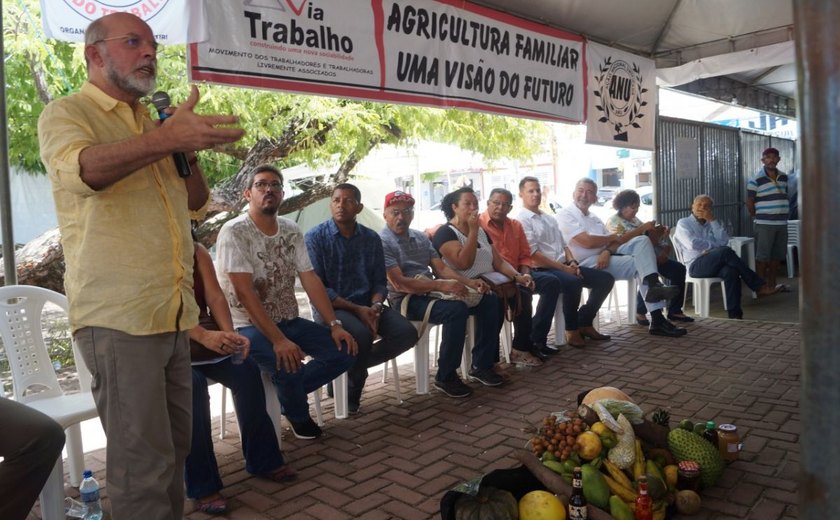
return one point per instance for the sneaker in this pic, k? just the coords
(306, 429)
(454, 388)
(525, 359)
(353, 407)
(487, 377)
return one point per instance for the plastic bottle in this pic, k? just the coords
(578, 509)
(711, 433)
(89, 491)
(644, 504)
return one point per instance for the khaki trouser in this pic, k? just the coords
(142, 387)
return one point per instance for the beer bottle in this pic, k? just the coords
(644, 504)
(577, 502)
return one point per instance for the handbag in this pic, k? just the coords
(472, 298)
(506, 290)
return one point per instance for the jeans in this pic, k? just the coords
(549, 284)
(397, 335)
(259, 443)
(452, 315)
(722, 262)
(636, 259)
(675, 273)
(489, 314)
(327, 363)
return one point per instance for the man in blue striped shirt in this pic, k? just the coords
(767, 202)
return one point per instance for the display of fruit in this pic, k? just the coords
(688, 502)
(690, 446)
(541, 505)
(557, 437)
(623, 454)
(489, 504)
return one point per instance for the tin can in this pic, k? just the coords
(729, 442)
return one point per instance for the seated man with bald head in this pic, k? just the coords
(704, 245)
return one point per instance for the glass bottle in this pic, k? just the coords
(644, 504)
(711, 433)
(729, 442)
(578, 509)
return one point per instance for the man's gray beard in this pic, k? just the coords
(137, 87)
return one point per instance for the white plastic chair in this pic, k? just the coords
(25, 329)
(701, 287)
(792, 242)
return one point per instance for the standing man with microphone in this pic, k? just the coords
(124, 216)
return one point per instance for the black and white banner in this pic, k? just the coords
(621, 107)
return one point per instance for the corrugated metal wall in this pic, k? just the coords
(727, 158)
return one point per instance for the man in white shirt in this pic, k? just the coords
(549, 259)
(593, 246)
(705, 247)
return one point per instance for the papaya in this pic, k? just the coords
(657, 489)
(619, 509)
(595, 487)
(671, 472)
(652, 468)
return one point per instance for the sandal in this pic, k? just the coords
(642, 320)
(211, 506)
(284, 473)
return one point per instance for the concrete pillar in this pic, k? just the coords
(818, 63)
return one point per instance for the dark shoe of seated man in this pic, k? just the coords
(657, 291)
(453, 388)
(306, 429)
(659, 326)
(487, 377)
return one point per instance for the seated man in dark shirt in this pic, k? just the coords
(348, 258)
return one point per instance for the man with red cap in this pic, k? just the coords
(409, 255)
(768, 204)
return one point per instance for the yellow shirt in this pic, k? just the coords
(127, 247)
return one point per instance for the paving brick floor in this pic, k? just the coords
(397, 460)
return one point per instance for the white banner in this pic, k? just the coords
(621, 107)
(446, 53)
(172, 21)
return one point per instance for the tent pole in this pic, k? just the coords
(5, 185)
(817, 63)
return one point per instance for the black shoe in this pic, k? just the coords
(354, 398)
(454, 388)
(642, 320)
(658, 292)
(542, 353)
(736, 315)
(547, 350)
(353, 407)
(487, 377)
(306, 429)
(666, 328)
(330, 392)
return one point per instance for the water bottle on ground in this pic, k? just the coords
(89, 491)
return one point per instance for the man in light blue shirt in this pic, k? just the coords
(703, 242)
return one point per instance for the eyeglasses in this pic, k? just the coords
(407, 212)
(265, 186)
(132, 41)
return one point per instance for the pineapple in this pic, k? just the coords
(661, 417)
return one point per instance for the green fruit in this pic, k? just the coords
(569, 466)
(652, 468)
(619, 510)
(554, 466)
(688, 446)
(595, 487)
(656, 486)
(699, 428)
(548, 455)
(687, 424)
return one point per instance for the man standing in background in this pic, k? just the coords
(768, 204)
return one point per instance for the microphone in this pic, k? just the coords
(161, 101)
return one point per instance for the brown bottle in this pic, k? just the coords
(578, 510)
(644, 504)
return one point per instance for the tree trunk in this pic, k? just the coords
(40, 262)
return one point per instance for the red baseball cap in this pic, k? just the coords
(398, 196)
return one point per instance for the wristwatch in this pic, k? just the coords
(333, 323)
